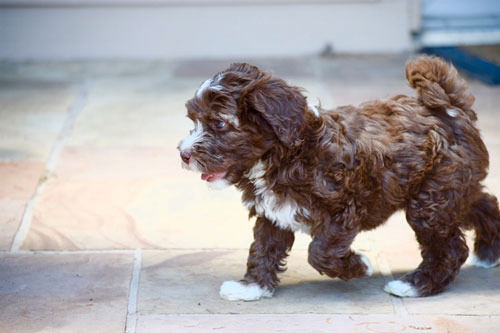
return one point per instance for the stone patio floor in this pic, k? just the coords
(102, 231)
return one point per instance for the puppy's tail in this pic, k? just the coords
(439, 87)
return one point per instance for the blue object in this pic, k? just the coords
(473, 66)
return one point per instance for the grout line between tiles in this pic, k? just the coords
(26, 221)
(314, 316)
(66, 129)
(68, 125)
(131, 323)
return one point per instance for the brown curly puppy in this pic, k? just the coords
(334, 173)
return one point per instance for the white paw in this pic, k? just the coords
(238, 291)
(475, 261)
(366, 261)
(401, 289)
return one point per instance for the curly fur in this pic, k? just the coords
(342, 171)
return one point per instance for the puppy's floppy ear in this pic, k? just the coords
(281, 106)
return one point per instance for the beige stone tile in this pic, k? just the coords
(31, 116)
(11, 214)
(136, 213)
(186, 214)
(134, 197)
(99, 163)
(132, 112)
(494, 151)
(19, 179)
(64, 292)
(84, 204)
(492, 185)
(463, 324)
(126, 122)
(188, 282)
(127, 198)
(396, 241)
(19, 182)
(331, 323)
(72, 215)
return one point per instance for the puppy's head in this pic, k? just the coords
(239, 115)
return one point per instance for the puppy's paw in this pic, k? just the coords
(240, 291)
(401, 289)
(475, 261)
(366, 261)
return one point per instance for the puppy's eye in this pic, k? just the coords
(220, 124)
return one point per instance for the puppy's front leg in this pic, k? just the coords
(265, 261)
(330, 252)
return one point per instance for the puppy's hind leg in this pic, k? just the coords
(442, 244)
(265, 260)
(485, 218)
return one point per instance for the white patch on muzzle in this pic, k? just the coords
(193, 137)
(187, 144)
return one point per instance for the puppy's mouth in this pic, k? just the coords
(212, 177)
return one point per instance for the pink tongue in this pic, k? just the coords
(210, 177)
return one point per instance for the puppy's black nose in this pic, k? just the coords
(186, 156)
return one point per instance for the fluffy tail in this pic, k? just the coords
(439, 86)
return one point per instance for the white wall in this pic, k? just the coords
(169, 29)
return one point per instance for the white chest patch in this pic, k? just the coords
(283, 213)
